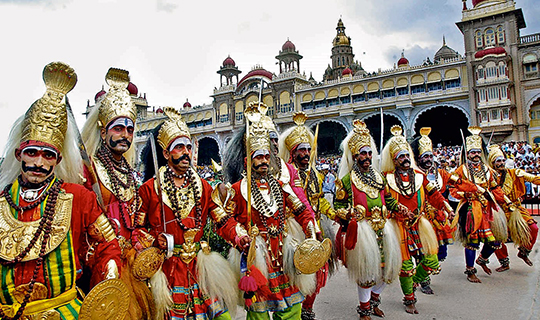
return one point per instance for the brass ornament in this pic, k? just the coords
(147, 263)
(107, 300)
(117, 102)
(311, 255)
(39, 292)
(377, 219)
(46, 120)
(494, 153)
(300, 134)
(474, 141)
(397, 142)
(15, 235)
(124, 194)
(258, 133)
(360, 138)
(424, 144)
(189, 249)
(172, 128)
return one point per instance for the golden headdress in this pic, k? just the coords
(267, 122)
(300, 134)
(397, 142)
(474, 141)
(360, 138)
(117, 102)
(424, 144)
(494, 153)
(46, 120)
(172, 128)
(258, 133)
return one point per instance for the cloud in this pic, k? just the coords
(167, 6)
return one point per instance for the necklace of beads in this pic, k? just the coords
(480, 174)
(407, 191)
(112, 166)
(312, 180)
(45, 227)
(260, 205)
(369, 178)
(178, 206)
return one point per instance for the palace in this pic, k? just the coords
(495, 84)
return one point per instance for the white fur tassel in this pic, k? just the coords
(306, 283)
(217, 279)
(499, 226)
(392, 251)
(427, 236)
(519, 229)
(295, 229)
(364, 261)
(162, 294)
(234, 262)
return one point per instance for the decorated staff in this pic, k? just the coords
(276, 284)
(367, 239)
(202, 284)
(480, 218)
(410, 187)
(523, 228)
(45, 217)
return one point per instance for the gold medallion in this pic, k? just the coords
(107, 300)
(147, 263)
(311, 255)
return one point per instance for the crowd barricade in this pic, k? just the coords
(533, 205)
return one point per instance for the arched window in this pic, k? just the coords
(479, 42)
(502, 69)
(490, 37)
(500, 34)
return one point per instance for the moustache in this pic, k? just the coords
(300, 158)
(117, 142)
(361, 162)
(261, 165)
(26, 168)
(406, 162)
(177, 161)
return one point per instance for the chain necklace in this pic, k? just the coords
(407, 191)
(179, 205)
(312, 180)
(475, 173)
(45, 227)
(369, 178)
(435, 172)
(264, 209)
(112, 166)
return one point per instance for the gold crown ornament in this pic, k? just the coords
(494, 153)
(397, 142)
(46, 120)
(424, 144)
(300, 134)
(360, 138)
(172, 128)
(474, 141)
(258, 133)
(117, 102)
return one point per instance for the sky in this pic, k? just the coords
(173, 48)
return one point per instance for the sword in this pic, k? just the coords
(490, 137)
(158, 180)
(312, 155)
(86, 160)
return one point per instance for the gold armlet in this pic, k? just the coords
(140, 218)
(341, 193)
(454, 178)
(103, 228)
(520, 173)
(431, 187)
(219, 214)
(295, 201)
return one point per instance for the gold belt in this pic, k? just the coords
(40, 306)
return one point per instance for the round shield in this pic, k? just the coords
(107, 300)
(147, 263)
(311, 255)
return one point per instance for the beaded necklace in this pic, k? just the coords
(45, 226)
(369, 178)
(177, 205)
(407, 191)
(475, 173)
(260, 205)
(112, 166)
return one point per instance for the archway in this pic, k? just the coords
(445, 123)
(374, 125)
(330, 136)
(208, 149)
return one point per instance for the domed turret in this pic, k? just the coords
(341, 38)
(229, 62)
(445, 53)
(288, 46)
(99, 94)
(402, 62)
(347, 72)
(132, 89)
(186, 105)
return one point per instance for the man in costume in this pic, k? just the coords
(367, 240)
(441, 179)
(46, 217)
(108, 135)
(523, 228)
(176, 204)
(480, 218)
(297, 146)
(260, 203)
(411, 188)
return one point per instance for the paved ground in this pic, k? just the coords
(513, 294)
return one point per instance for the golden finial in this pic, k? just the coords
(475, 130)
(425, 131)
(396, 130)
(299, 118)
